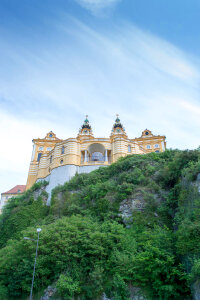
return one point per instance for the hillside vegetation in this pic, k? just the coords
(134, 225)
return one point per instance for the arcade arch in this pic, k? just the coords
(95, 153)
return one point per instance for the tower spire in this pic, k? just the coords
(86, 123)
(86, 129)
(86, 119)
(118, 128)
(117, 119)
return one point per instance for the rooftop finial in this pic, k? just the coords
(86, 119)
(117, 119)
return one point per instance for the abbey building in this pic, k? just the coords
(56, 160)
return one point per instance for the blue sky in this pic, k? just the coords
(60, 60)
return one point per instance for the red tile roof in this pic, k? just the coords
(16, 190)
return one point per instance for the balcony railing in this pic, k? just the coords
(96, 162)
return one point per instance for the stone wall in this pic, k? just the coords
(63, 174)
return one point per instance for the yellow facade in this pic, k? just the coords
(86, 150)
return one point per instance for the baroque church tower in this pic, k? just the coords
(85, 132)
(118, 128)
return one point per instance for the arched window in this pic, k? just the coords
(97, 156)
(156, 146)
(129, 148)
(62, 150)
(157, 151)
(148, 146)
(49, 149)
(50, 135)
(41, 148)
(39, 156)
(61, 161)
(51, 158)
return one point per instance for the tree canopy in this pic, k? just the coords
(87, 247)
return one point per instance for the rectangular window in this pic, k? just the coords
(39, 156)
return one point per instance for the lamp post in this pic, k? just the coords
(26, 238)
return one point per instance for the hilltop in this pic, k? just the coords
(132, 228)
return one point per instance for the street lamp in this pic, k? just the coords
(27, 238)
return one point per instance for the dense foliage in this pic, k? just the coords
(87, 247)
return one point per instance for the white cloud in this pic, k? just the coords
(51, 86)
(193, 108)
(15, 151)
(96, 6)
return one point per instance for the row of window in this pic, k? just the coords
(63, 148)
(49, 149)
(129, 148)
(148, 147)
(63, 151)
(155, 146)
(42, 148)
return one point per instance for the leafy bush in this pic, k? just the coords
(21, 212)
(85, 248)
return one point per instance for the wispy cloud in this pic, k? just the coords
(50, 85)
(96, 6)
(192, 108)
